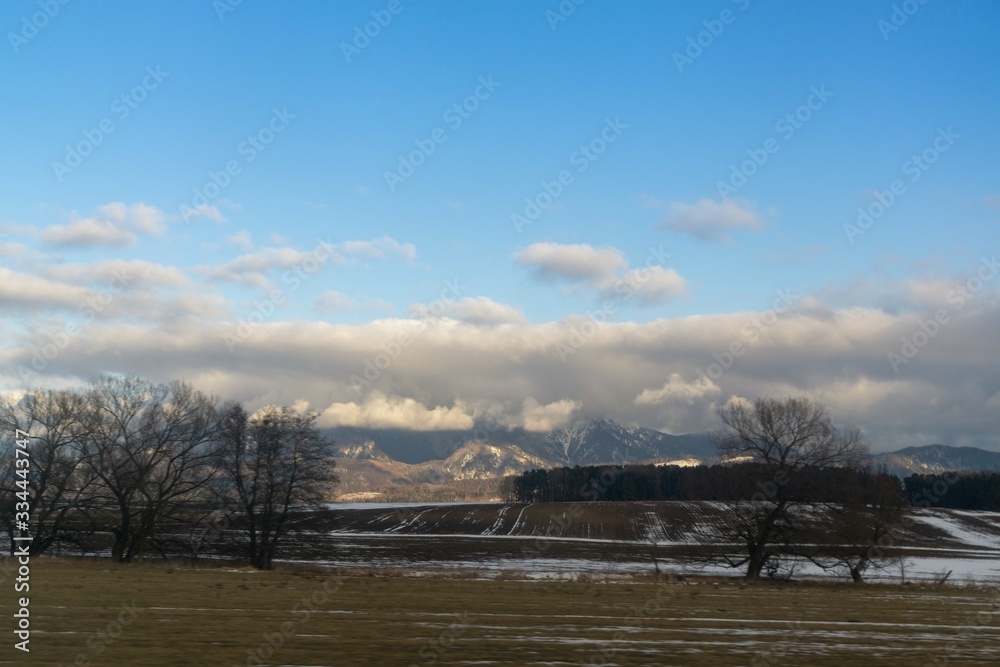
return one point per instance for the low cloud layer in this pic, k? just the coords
(669, 374)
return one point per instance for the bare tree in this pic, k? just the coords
(270, 465)
(858, 532)
(784, 441)
(506, 489)
(58, 483)
(149, 447)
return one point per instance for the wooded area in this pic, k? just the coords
(131, 468)
(784, 458)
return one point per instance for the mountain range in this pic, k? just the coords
(371, 459)
(937, 459)
(583, 442)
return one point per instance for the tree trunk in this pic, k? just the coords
(138, 546)
(255, 548)
(758, 556)
(857, 571)
(123, 538)
(267, 559)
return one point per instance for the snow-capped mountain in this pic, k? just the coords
(369, 458)
(366, 451)
(602, 440)
(365, 473)
(583, 442)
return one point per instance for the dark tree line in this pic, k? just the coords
(724, 482)
(967, 491)
(719, 482)
(133, 467)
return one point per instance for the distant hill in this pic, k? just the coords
(364, 469)
(373, 459)
(586, 441)
(366, 451)
(937, 459)
(401, 444)
(602, 440)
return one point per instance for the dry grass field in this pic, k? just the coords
(90, 612)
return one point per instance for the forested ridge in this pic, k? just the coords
(720, 482)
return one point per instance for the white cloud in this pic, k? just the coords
(441, 371)
(87, 232)
(654, 284)
(381, 411)
(115, 226)
(13, 250)
(605, 269)
(677, 390)
(209, 211)
(575, 262)
(108, 291)
(332, 300)
(379, 248)
(28, 291)
(241, 239)
(536, 417)
(480, 310)
(253, 268)
(123, 273)
(712, 221)
(137, 217)
(740, 401)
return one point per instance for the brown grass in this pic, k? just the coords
(218, 615)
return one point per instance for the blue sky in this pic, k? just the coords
(185, 86)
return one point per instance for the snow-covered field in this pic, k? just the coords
(557, 540)
(393, 506)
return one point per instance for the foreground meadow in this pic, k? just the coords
(89, 612)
